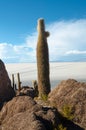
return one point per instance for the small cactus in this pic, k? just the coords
(35, 85)
(19, 83)
(13, 82)
(43, 60)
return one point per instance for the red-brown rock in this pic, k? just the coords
(23, 113)
(6, 91)
(71, 93)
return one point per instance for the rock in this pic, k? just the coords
(71, 93)
(28, 91)
(23, 121)
(6, 91)
(24, 113)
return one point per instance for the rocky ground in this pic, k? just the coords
(72, 94)
(63, 109)
(24, 112)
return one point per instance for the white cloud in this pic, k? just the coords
(75, 52)
(5, 50)
(66, 37)
(15, 53)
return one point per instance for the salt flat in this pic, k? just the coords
(58, 71)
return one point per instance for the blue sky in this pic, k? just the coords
(65, 20)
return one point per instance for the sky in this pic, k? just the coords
(64, 19)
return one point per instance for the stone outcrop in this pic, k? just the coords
(71, 93)
(25, 114)
(6, 91)
(26, 90)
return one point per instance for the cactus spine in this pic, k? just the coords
(43, 60)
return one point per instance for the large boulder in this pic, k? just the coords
(23, 113)
(6, 91)
(71, 94)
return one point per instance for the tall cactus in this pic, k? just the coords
(43, 60)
